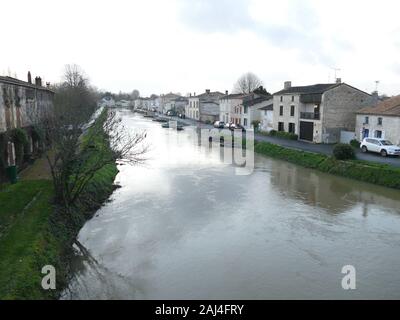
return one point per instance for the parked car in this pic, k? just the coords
(235, 126)
(382, 146)
(219, 124)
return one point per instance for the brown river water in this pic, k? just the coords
(184, 226)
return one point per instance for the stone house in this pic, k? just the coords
(380, 121)
(165, 99)
(204, 107)
(21, 105)
(178, 105)
(318, 113)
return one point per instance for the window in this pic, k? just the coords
(245, 122)
(281, 110)
(378, 134)
(366, 121)
(245, 109)
(292, 128)
(281, 98)
(281, 126)
(292, 111)
(380, 120)
(292, 98)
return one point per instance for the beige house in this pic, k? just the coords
(318, 113)
(381, 121)
(230, 105)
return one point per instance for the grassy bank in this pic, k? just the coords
(379, 174)
(34, 232)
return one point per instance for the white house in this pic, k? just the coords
(123, 103)
(107, 101)
(381, 121)
(267, 116)
(251, 108)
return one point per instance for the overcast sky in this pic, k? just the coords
(158, 46)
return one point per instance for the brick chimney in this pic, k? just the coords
(29, 77)
(226, 92)
(338, 80)
(287, 85)
(208, 91)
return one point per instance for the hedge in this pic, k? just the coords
(379, 174)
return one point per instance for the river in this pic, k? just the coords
(184, 226)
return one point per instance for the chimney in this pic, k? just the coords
(338, 80)
(287, 85)
(36, 81)
(190, 94)
(226, 92)
(194, 94)
(29, 77)
(208, 91)
(47, 84)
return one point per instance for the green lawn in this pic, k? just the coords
(26, 244)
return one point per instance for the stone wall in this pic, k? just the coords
(338, 110)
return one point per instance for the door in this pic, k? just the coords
(306, 130)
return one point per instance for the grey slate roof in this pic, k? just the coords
(269, 107)
(17, 82)
(312, 89)
(250, 101)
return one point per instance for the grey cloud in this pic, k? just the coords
(300, 32)
(216, 15)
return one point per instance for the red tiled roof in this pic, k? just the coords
(389, 107)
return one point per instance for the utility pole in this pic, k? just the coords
(336, 71)
(376, 85)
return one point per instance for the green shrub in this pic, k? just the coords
(272, 133)
(256, 124)
(286, 135)
(355, 144)
(343, 151)
(19, 136)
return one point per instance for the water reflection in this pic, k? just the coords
(185, 226)
(334, 194)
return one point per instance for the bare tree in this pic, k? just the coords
(74, 76)
(78, 132)
(247, 83)
(135, 94)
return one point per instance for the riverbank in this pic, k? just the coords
(380, 174)
(35, 232)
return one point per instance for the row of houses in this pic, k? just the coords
(318, 113)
